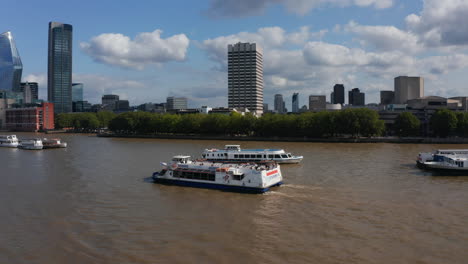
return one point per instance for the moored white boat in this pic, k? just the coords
(234, 153)
(31, 144)
(252, 178)
(53, 143)
(9, 141)
(447, 160)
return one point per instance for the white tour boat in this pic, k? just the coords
(9, 141)
(234, 153)
(32, 144)
(53, 143)
(253, 178)
(447, 160)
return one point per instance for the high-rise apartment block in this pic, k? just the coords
(176, 103)
(295, 103)
(59, 73)
(338, 94)
(280, 106)
(245, 77)
(31, 87)
(11, 67)
(317, 103)
(356, 98)
(407, 88)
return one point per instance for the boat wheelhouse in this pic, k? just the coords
(9, 141)
(31, 144)
(234, 153)
(449, 160)
(248, 177)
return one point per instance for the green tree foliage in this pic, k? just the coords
(407, 124)
(462, 124)
(444, 122)
(104, 118)
(351, 122)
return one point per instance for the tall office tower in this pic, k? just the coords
(317, 103)
(387, 97)
(407, 88)
(295, 103)
(176, 103)
(332, 98)
(279, 104)
(355, 97)
(338, 94)
(109, 101)
(59, 72)
(245, 77)
(11, 67)
(77, 92)
(33, 86)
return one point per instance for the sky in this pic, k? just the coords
(148, 50)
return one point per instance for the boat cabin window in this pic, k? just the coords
(277, 157)
(236, 156)
(238, 177)
(270, 156)
(289, 155)
(284, 156)
(241, 156)
(203, 155)
(259, 156)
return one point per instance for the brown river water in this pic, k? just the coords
(345, 203)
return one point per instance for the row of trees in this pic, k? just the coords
(349, 122)
(354, 122)
(84, 122)
(443, 123)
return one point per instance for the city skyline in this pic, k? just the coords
(360, 44)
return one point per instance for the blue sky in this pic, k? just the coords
(148, 50)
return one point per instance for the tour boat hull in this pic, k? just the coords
(222, 187)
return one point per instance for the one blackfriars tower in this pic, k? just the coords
(245, 77)
(11, 67)
(59, 81)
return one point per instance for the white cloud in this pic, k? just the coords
(267, 38)
(441, 22)
(147, 48)
(242, 8)
(385, 38)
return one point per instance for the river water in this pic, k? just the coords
(345, 203)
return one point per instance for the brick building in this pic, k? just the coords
(32, 119)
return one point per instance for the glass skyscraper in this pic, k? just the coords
(59, 78)
(11, 67)
(77, 92)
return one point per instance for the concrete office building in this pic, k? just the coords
(338, 94)
(109, 101)
(387, 97)
(356, 98)
(317, 103)
(279, 104)
(407, 88)
(59, 72)
(176, 103)
(245, 77)
(11, 67)
(295, 103)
